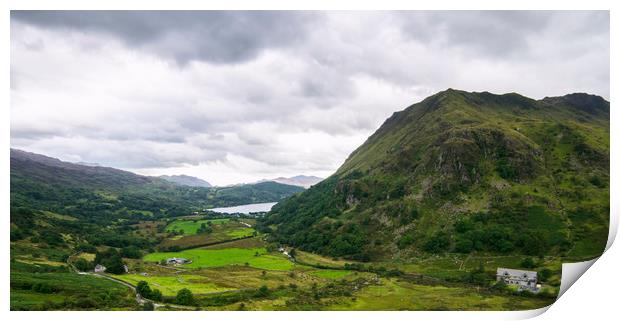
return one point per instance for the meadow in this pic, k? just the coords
(205, 258)
(222, 230)
(393, 295)
(171, 284)
(190, 227)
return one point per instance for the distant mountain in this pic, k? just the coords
(39, 182)
(465, 172)
(186, 180)
(299, 180)
(55, 172)
(88, 164)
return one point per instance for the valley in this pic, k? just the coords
(419, 217)
(248, 273)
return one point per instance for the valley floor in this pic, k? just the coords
(240, 273)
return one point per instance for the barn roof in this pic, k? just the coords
(518, 273)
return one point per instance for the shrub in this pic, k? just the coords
(463, 245)
(405, 241)
(544, 275)
(528, 263)
(185, 297)
(437, 243)
(263, 291)
(83, 265)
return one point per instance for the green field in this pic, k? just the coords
(331, 274)
(190, 227)
(170, 285)
(394, 295)
(241, 232)
(202, 258)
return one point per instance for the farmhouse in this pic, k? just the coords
(525, 280)
(99, 268)
(177, 260)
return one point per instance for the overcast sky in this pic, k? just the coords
(234, 97)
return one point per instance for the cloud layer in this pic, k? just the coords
(237, 96)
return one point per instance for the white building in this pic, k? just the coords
(525, 280)
(99, 268)
(177, 260)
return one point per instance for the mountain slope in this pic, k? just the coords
(43, 183)
(186, 180)
(465, 172)
(299, 180)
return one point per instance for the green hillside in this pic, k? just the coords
(468, 173)
(41, 182)
(62, 203)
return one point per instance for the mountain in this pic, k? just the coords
(465, 172)
(88, 164)
(53, 171)
(39, 182)
(186, 180)
(299, 180)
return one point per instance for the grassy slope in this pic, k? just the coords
(394, 295)
(69, 291)
(232, 256)
(190, 227)
(170, 285)
(457, 154)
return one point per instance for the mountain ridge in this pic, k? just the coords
(186, 180)
(304, 181)
(40, 182)
(456, 158)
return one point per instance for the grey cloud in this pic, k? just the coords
(323, 82)
(214, 36)
(493, 33)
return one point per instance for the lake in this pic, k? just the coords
(245, 209)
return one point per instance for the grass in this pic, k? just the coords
(397, 295)
(223, 231)
(203, 258)
(67, 291)
(241, 232)
(170, 285)
(331, 274)
(252, 242)
(59, 216)
(315, 259)
(190, 227)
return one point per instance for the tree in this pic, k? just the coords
(83, 265)
(437, 243)
(131, 252)
(156, 295)
(148, 306)
(463, 245)
(185, 297)
(143, 289)
(405, 241)
(528, 263)
(85, 247)
(114, 265)
(544, 275)
(205, 229)
(111, 259)
(263, 291)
